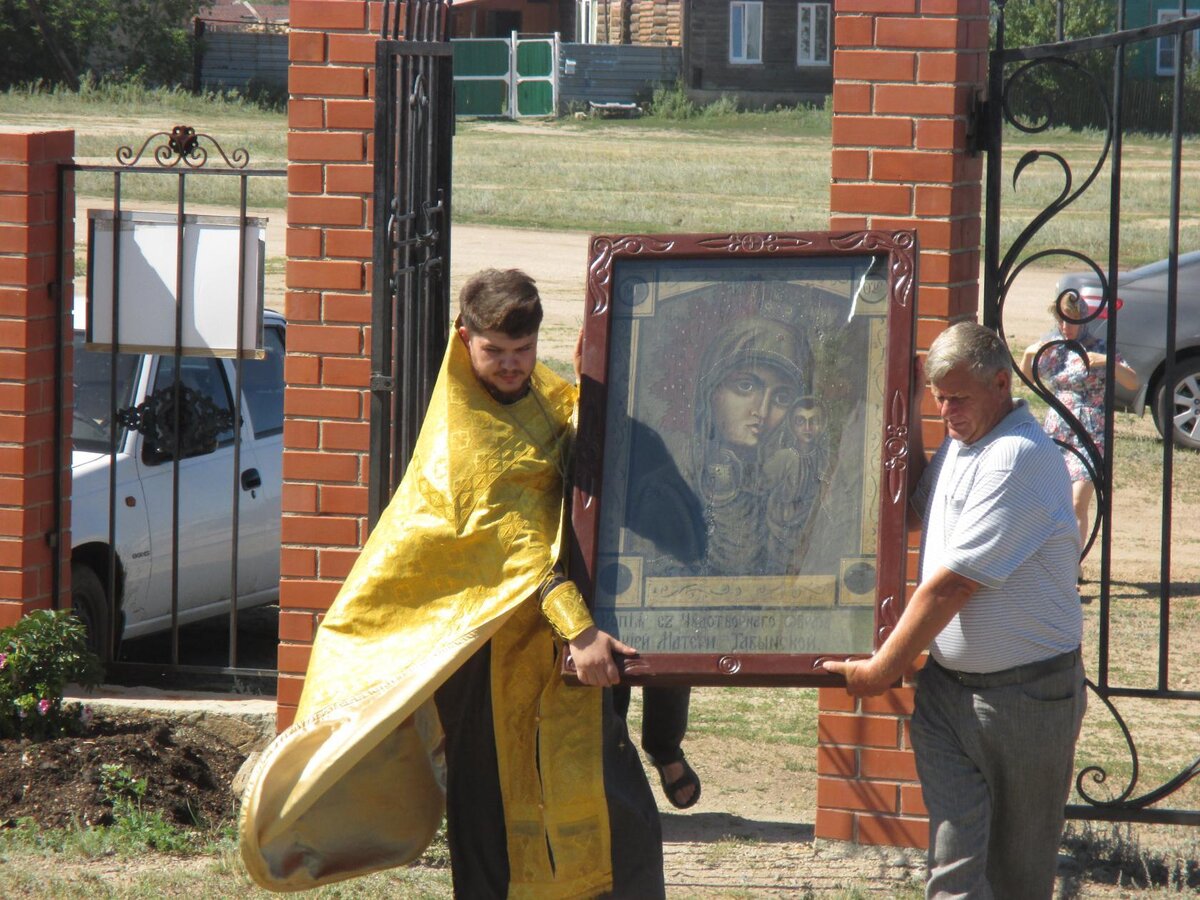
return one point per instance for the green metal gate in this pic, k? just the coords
(481, 76)
(514, 77)
(536, 82)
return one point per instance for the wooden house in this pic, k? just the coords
(646, 22)
(500, 18)
(762, 52)
(1155, 61)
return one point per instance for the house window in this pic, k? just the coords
(745, 31)
(1165, 57)
(812, 35)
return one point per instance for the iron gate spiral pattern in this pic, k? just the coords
(1016, 76)
(183, 145)
(414, 127)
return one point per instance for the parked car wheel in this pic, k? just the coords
(1185, 407)
(90, 605)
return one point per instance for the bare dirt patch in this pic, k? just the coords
(60, 783)
(751, 834)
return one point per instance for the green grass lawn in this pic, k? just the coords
(732, 171)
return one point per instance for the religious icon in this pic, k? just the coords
(737, 427)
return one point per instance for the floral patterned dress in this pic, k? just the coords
(1081, 390)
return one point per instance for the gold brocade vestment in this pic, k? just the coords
(455, 560)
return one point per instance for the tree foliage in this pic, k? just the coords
(60, 41)
(1068, 91)
(1028, 23)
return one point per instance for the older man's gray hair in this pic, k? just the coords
(978, 349)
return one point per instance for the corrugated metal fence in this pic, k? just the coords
(235, 56)
(613, 73)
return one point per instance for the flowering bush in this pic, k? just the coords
(39, 657)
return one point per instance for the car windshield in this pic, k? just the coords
(92, 419)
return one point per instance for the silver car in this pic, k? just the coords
(1142, 334)
(144, 504)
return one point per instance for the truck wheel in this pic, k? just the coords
(90, 605)
(1184, 405)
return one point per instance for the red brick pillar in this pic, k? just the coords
(905, 74)
(29, 231)
(326, 411)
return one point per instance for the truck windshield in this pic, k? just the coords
(92, 421)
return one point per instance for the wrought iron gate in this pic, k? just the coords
(1026, 87)
(414, 126)
(143, 469)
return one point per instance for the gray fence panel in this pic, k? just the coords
(613, 73)
(232, 59)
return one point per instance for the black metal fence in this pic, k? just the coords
(414, 127)
(175, 519)
(1024, 94)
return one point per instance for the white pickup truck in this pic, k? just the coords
(143, 502)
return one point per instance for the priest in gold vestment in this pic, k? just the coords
(434, 680)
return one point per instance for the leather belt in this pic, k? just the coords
(1016, 675)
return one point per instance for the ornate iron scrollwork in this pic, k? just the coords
(1018, 100)
(201, 422)
(1125, 799)
(1086, 451)
(1035, 116)
(182, 144)
(410, 309)
(1009, 269)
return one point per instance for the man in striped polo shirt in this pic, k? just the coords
(999, 706)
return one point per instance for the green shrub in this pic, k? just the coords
(39, 656)
(722, 106)
(671, 102)
(263, 95)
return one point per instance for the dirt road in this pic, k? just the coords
(558, 261)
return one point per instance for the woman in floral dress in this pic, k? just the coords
(1078, 383)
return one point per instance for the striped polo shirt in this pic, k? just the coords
(998, 512)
